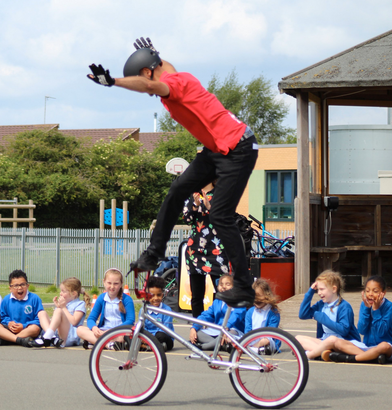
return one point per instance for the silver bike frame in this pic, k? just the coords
(211, 360)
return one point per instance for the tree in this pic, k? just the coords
(66, 178)
(253, 103)
(182, 145)
(127, 173)
(49, 168)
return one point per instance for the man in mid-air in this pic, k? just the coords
(229, 155)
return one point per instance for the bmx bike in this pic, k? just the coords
(135, 371)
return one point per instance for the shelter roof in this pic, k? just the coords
(10, 130)
(368, 64)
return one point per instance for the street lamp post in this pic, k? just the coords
(46, 98)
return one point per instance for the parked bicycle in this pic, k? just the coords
(268, 245)
(136, 370)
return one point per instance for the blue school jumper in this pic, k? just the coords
(273, 320)
(344, 325)
(21, 311)
(99, 310)
(166, 320)
(216, 313)
(376, 325)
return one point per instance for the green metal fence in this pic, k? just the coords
(49, 256)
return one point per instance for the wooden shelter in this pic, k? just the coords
(360, 239)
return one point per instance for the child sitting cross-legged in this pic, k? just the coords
(155, 286)
(264, 313)
(205, 338)
(112, 308)
(69, 314)
(21, 312)
(334, 315)
(375, 323)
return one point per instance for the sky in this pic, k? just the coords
(46, 47)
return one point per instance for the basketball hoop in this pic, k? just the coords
(177, 166)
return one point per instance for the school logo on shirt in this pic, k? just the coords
(28, 309)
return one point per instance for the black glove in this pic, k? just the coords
(101, 76)
(142, 43)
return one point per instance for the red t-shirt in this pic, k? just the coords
(201, 113)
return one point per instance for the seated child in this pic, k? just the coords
(21, 312)
(113, 308)
(205, 338)
(375, 324)
(69, 314)
(334, 316)
(155, 286)
(264, 313)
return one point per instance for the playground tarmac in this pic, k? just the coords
(59, 378)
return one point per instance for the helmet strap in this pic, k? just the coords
(152, 74)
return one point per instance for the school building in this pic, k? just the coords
(272, 187)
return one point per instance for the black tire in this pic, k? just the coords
(170, 277)
(171, 289)
(287, 375)
(116, 379)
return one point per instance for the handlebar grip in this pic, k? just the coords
(255, 220)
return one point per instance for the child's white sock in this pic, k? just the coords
(49, 334)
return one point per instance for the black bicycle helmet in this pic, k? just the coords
(144, 57)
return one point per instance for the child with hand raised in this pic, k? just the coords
(113, 308)
(334, 315)
(375, 324)
(68, 316)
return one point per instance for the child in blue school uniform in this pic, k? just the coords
(334, 315)
(264, 313)
(69, 314)
(375, 324)
(155, 286)
(113, 308)
(21, 312)
(205, 338)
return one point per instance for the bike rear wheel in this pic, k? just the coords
(123, 382)
(286, 375)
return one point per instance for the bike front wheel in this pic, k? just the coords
(120, 380)
(283, 378)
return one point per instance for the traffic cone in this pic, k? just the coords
(126, 290)
(93, 301)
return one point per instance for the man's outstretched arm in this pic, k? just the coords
(135, 83)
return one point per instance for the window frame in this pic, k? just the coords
(279, 205)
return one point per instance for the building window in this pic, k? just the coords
(281, 191)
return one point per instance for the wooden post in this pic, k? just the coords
(31, 214)
(101, 214)
(113, 227)
(302, 230)
(15, 214)
(125, 215)
(125, 228)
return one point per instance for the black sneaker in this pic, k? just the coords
(381, 359)
(265, 350)
(39, 342)
(237, 297)
(87, 345)
(56, 342)
(24, 341)
(146, 262)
